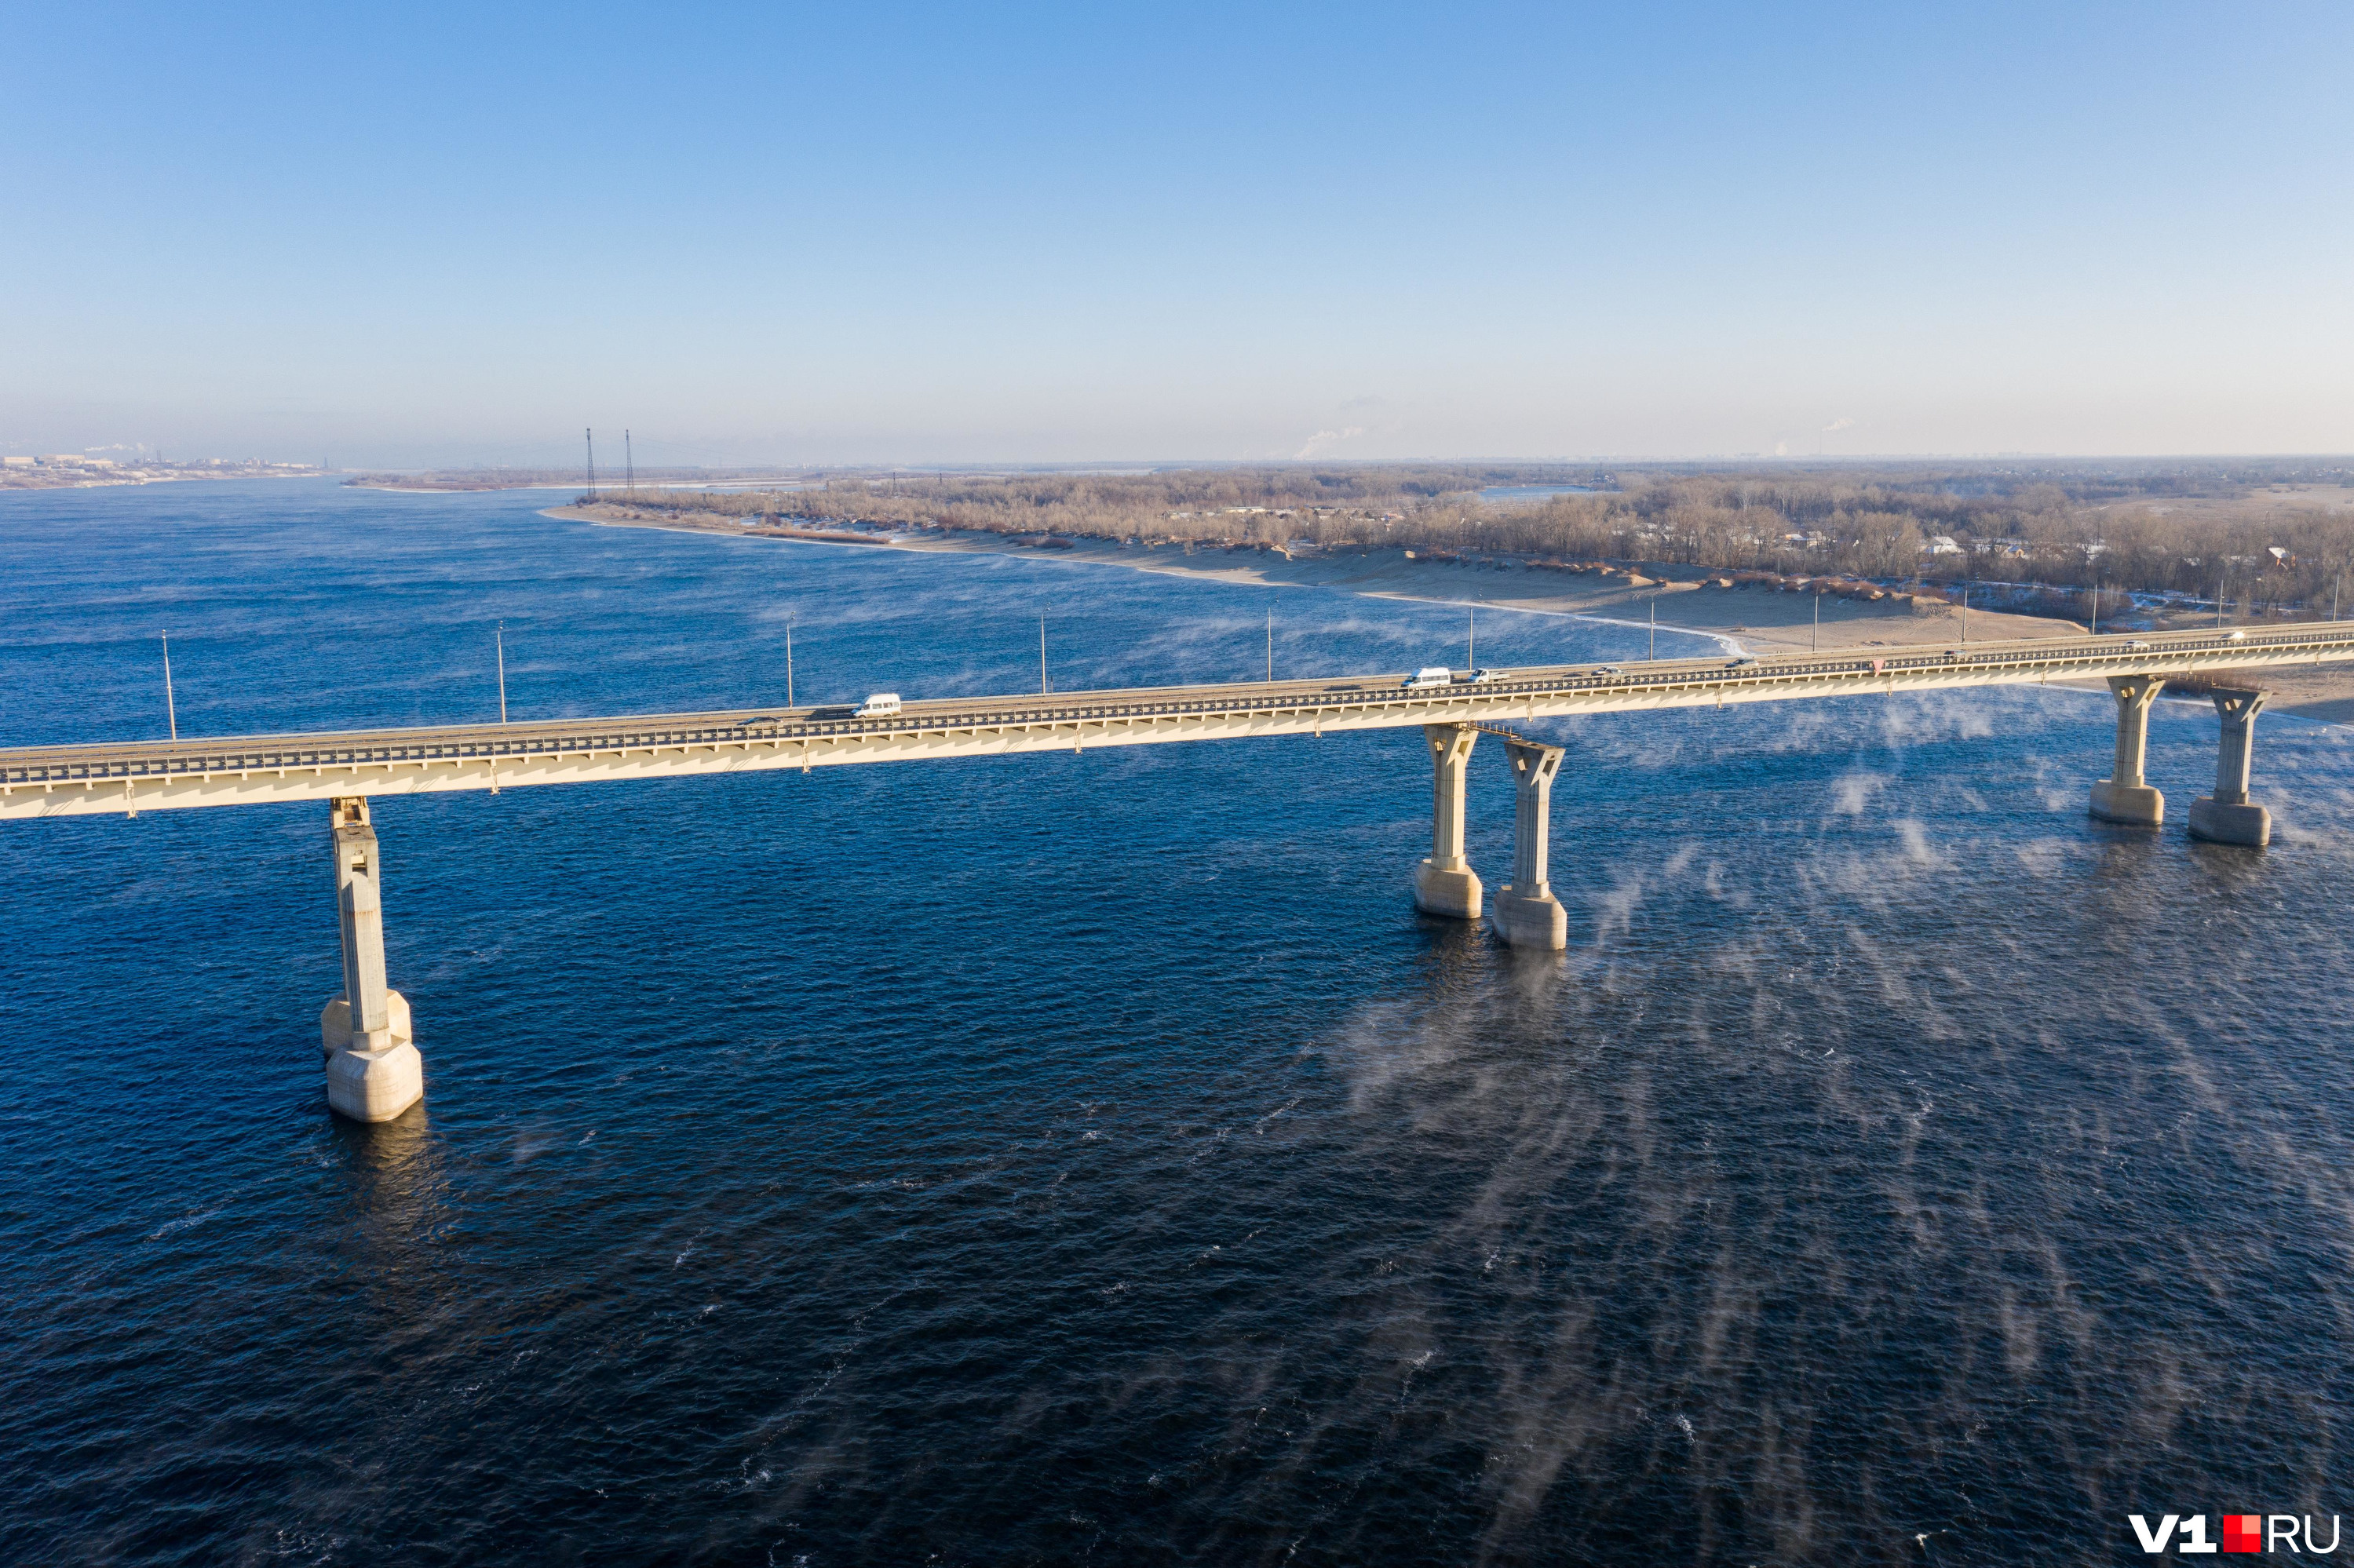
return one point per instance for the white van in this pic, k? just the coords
(880, 704)
(1430, 675)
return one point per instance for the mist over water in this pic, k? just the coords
(1093, 1158)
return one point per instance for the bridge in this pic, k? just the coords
(373, 1072)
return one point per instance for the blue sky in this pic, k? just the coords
(459, 234)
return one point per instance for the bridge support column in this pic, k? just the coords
(1527, 914)
(2229, 817)
(374, 1073)
(2123, 796)
(1445, 885)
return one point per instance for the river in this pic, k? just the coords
(1093, 1158)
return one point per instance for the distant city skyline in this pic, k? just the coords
(964, 236)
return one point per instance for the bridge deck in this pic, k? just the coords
(62, 780)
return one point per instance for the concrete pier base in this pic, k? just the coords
(1451, 894)
(2135, 805)
(2124, 795)
(2225, 822)
(374, 1086)
(335, 1023)
(2228, 816)
(1538, 922)
(1527, 914)
(373, 1072)
(1445, 884)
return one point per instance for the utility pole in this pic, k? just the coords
(1471, 640)
(170, 711)
(788, 663)
(2220, 584)
(1815, 638)
(1966, 612)
(1045, 686)
(1655, 630)
(1271, 644)
(502, 670)
(2096, 605)
(629, 462)
(591, 437)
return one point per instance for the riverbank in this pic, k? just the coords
(68, 478)
(1683, 598)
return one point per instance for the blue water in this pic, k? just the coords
(1069, 1158)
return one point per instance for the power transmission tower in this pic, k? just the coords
(629, 462)
(589, 435)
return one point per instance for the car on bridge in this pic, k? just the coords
(1428, 676)
(878, 705)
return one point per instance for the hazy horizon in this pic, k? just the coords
(958, 237)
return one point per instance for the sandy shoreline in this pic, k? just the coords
(1755, 619)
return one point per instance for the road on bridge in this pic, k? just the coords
(132, 776)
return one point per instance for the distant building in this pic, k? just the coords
(16, 461)
(1943, 545)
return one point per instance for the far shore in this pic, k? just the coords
(459, 489)
(1753, 619)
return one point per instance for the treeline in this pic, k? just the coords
(2035, 533)
(1271, 505)
(2181, 529)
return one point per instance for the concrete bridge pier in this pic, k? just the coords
(1527, 914)
(2123, 796)
(1445, 885)
(2229, 817)
(374, 1073)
